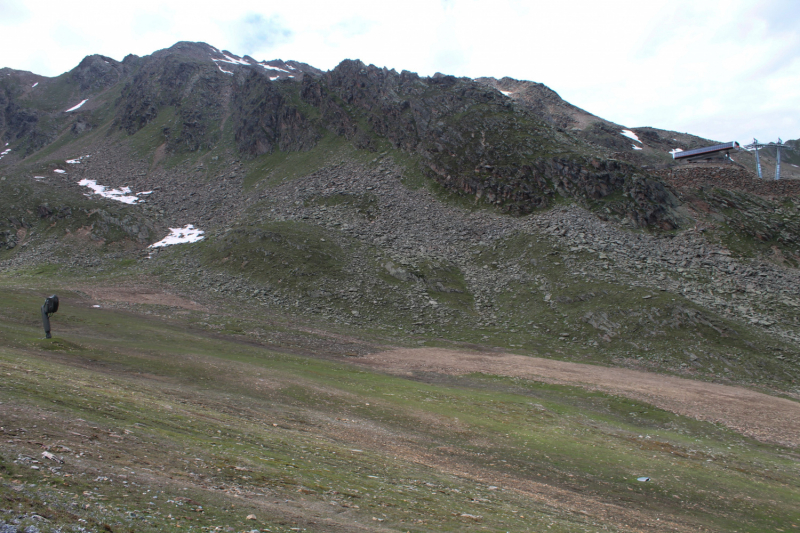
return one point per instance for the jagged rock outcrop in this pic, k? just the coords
(265, 120)
(191, 88)
(18, 122)
(97, 72)
(474, 140)
(188, 81)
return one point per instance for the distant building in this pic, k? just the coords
(708, 153)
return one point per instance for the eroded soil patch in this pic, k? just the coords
(754, 414)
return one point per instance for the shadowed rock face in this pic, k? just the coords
(97, 72)
(18, 121)
(266, 121)
(648, 202)
(191, 87)
(190, 79)
(475, 141)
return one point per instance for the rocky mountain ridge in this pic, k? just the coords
(186, 89)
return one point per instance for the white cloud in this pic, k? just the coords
(13, 12)
(722, 69)
(255, 32)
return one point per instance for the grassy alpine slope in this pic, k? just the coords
(165, 424)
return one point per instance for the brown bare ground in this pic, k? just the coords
(140, 295)
(754, 414)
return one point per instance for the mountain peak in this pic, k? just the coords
(227, 61)
(97, 71)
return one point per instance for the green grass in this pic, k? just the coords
(180, 409)
(55, 95)
(298, 255)
(147, 139)
(270, 170)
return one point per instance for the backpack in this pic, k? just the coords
(52, 304)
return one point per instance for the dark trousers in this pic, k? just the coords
(46, 322)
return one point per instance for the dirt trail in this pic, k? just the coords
(763, 417)
(140, 295)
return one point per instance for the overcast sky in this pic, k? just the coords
(726, 70)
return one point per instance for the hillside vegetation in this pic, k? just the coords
(348, 214)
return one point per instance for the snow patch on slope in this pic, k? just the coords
(121, 195)
(76, 107)
(231, 60)
(270, 67)
(186, 234)
(630, 135)
(235, 60)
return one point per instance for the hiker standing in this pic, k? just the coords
(49, 307)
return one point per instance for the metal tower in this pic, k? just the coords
(755, 145)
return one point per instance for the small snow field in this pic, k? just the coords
(630, 135)
(76, 160)
(231, 60)
(507, 93)
(635, 147)
(59, 171)
(270, 67)
(34, 85)
(121, 195)
(39, 177)
(187, 234)
(5, 152)
(238, 61)
(76, 107)
(235, 60)
(675, 151)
